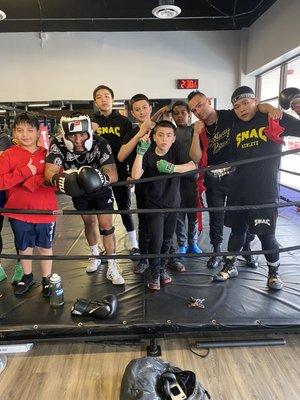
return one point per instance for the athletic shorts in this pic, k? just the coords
(260, 221)
(32, 235)
(94, 201)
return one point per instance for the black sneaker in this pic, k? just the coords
(141, 267)
(175, 265)
(46, 287)
(134, 251)
(274, 281)
(165, 278)
(228, 271)
(250, 261)
(24, 285)
(213, 262)
(154, 281)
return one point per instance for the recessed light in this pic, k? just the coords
(2, 15)
(166, 10)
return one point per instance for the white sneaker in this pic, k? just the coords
(114, 275)
(93, 265)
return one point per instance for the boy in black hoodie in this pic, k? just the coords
(113, 127)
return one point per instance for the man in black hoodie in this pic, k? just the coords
(113, 127)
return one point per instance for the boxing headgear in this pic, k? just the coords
(73, 125)
(242, 92)
(288, 96)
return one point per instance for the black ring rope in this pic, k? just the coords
(151, 210)
(209, 168)
(143, 256)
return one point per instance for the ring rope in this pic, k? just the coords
(143, 256)
(151, 210)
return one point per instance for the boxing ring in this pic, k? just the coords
(243, 305)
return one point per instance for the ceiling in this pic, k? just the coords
(127, 15)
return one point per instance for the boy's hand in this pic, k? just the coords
(142, 147)
(165, 167)
(198, 127)
(32, 167)
(146, 126)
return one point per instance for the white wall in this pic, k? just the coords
(274, 37)
(71, 65)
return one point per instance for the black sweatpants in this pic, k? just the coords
(216, 192)
(123, 200)
(161, 227)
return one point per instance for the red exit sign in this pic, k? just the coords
(187, 83)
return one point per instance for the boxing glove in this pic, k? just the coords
(97, 309)
(165, 167)
(142, 147)
(67, 182)
(91, 179)
(287, 96)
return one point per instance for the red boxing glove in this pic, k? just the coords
(274, 130)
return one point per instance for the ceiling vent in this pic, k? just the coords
(2, 15)
(166, 10)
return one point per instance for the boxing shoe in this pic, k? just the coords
(113, 274)
(175, 265)
(182, 249)
(229, 270)
(93, 265)
(24, 285)
(274, 281)
(97, 309)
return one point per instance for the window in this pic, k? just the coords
(269, 86)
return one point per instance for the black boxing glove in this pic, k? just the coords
(287, 96)
(67, 182)
(97, 309)
(91, 179)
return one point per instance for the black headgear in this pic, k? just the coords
(242, 92)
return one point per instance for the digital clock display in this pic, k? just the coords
(187, 83)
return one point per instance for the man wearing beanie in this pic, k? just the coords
(256, 183)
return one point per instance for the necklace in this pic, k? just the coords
(212, 134)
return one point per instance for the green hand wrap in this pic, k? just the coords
(142, 147)
(165, 167)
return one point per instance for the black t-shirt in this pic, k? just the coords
(163, 193)
(257, 182)
(99, 155)
(113, 128)
(218, 135)
(129, 135)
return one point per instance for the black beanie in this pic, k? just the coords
(242, 92)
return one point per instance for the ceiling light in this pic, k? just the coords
(39, 105)
(166, 10)
(2, 111)
(2, 15)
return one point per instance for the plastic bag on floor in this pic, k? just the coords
(145, 379)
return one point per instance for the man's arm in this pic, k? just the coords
(291, 125)
(111, 171)
(195, 149)
(272, 112)
(50, 171)
(164, 110)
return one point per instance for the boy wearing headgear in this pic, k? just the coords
(82, 166)
(253, 135)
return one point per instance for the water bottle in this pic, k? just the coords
(56, 291)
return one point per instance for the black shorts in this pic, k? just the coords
(260, 221)
(94, 201)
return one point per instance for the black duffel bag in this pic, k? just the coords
(150, 378)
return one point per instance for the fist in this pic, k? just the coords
(91, 179)
(198, 127)
(142, 147)
(165, 167)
